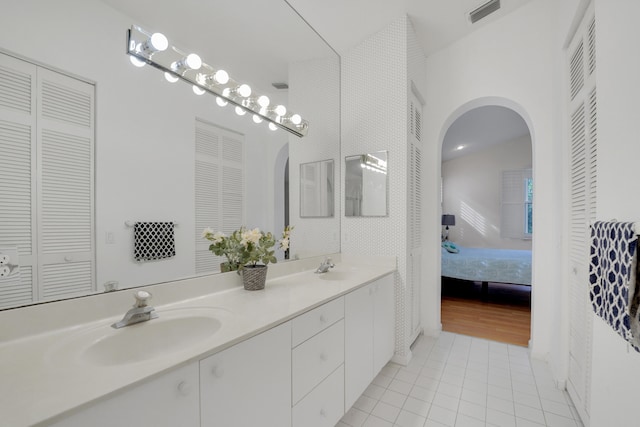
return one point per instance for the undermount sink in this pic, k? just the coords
(173, 331)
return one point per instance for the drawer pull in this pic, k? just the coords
(217, 372)
(184, 388)
(324, 357)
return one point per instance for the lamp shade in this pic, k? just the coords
(448, 219)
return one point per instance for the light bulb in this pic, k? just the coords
(170, 77)
(137, 62)
(197, 90)
(272, 126)
(244, 90)
(280, 110)
(296, 119)
(159, 42)
(193, 61)
(257, 118)
(221, 77)
(240, 111)
(221, 102)
(263, 101)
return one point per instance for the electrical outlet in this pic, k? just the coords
(4, 271)
(4, 259)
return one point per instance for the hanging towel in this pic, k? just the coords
(612, 277)
(153, 240)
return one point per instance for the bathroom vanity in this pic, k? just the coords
(295, 354)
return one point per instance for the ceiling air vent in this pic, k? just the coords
(484, 10)
(280, 86)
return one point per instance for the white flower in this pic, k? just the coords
(218, 237)
(207, 232)
(284, 244)
(251, 236)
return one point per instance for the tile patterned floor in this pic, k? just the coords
(460, 381)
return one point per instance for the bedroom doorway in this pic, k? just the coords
(487, 205)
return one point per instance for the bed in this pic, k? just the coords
(488, 265)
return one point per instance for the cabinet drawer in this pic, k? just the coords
(313, 360)
(324, 406)
(307, 325)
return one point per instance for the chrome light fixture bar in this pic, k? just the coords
(154, 49)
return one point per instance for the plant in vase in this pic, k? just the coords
(244, 249)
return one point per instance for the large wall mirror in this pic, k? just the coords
(366, 185)
(153, 141)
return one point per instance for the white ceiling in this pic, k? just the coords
(438, 23)
(480, 128)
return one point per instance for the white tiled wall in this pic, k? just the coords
(374, 118)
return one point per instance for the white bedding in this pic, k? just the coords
(488, 265)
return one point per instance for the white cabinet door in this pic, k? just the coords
(249, 384)
(383, 322)
(168, 401)
(369, 327)
(358, 331)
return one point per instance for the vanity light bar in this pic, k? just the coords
(153, 49)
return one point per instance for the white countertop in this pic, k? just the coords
(37, 386)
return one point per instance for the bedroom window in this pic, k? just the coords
(517, 204)
(528, 207)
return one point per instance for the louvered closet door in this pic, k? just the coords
(583, 197)
(17, 183)
(65, 134)
(219, 187)
(415, 212)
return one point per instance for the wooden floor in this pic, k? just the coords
(504, 315)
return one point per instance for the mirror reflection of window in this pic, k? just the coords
(366, 184)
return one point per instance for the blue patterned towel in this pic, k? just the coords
(612, 277)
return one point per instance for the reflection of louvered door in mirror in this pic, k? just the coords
(47, 186)
(583, 189)
(219, 188)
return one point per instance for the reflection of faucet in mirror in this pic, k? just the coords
(325, 266)
(140, 312)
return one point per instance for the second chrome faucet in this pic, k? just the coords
(325, 266)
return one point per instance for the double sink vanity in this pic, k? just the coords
(298, 353)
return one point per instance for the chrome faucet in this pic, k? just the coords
(325, 266)
(140, 312)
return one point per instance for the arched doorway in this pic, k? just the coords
(487, 187)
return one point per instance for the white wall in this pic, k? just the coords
(319, 100)
(144, 133)
(616, 367)
(514, 63)
(472, 187)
